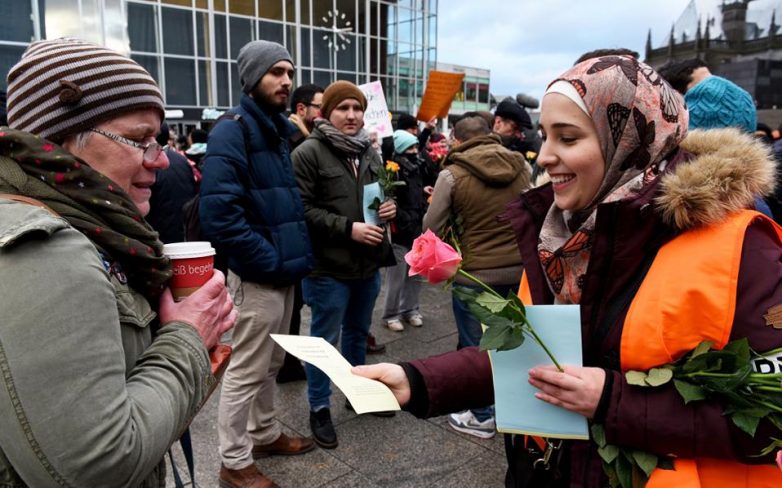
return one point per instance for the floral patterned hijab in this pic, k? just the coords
(639, 119)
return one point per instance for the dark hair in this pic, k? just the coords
(304, 94)
(406, 121)
(679, 73)
(436, 137)
(484, 114)
(469, 127)
(199, 135)
(619, 51)
(162, 136)
(181, 142)
(765, 129)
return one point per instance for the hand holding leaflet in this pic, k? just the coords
(365, 395)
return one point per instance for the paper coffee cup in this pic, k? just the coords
(193, 265)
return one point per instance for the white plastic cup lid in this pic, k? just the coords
(185, 250)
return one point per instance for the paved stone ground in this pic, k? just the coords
(402, 451)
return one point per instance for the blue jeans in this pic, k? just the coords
(338, 306)
(470, 332)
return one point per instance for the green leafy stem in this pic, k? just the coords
(705, 373)
(505, 318)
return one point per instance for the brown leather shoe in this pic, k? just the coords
(284, 446)
(248, 477)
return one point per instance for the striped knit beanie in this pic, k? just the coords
(66, 86)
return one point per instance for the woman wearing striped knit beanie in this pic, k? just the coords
(93, 348)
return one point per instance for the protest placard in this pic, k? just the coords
(376, 117)
(441, 87)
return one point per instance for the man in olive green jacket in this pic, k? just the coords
(332, 168)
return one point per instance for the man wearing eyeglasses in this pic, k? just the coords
(305, 108)
(251, 210)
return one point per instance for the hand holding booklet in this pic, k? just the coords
(517, 409)
(365, 395)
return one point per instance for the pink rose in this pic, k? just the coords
(779, 458)
(432, 258)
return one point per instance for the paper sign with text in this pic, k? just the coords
(441, 87)
(376, 117)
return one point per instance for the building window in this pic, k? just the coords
(202, 34)
(17, 21)
(304, 10)
(181, 3)
(177, 31)
(149, 63)
(321, 78)
(241, 34)
(205, 84)
(236, 84)
(322, 54)
(221, 43)
(306, 54)
(243, 7)
(346, 56)
(483, 93)
(472, 91)
(306, 77)
(270, 31)
(142, 26)
(9, 56)
(270, 9)
(180, 81)
(223, 98)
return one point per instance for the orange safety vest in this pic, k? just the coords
(688, 296)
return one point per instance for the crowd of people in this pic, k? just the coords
(649, 203)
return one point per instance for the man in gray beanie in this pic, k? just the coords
(251, 210)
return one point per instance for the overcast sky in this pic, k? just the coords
(527, 43)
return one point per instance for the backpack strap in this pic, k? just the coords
(245, 130)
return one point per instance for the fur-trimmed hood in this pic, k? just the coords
(728, 169)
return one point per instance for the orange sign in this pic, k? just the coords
(441, 87)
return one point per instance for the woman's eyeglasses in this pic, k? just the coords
(151, 150)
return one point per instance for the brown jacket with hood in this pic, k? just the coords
(484, 177)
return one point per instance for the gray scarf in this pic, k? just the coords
(352, 146)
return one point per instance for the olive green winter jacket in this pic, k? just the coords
(89, 396)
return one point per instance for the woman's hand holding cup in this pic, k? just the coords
(210, 309)
(197, 294)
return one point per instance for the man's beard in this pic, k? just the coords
(267, 102)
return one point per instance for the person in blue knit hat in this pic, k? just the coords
(717, 102)
(714, 102)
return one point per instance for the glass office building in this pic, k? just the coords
(190, 46)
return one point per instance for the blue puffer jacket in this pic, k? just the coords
(253, 213)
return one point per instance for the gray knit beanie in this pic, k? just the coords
(65, 86)
(256, 58)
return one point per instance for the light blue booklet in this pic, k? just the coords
(372, 191)
(517, 409)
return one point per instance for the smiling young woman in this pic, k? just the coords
(570, 153)
(652, 231)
